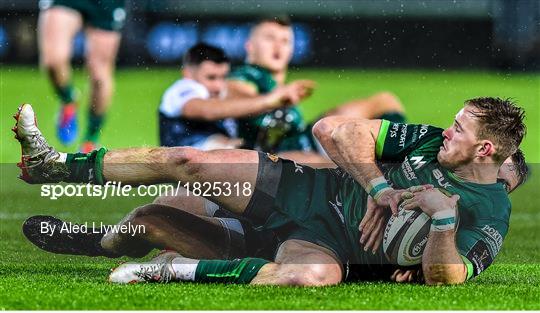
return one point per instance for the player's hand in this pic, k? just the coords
(409, 193)
(431, 201)
(407, 276)
(390, 198)
(294, 92)
(372, 226)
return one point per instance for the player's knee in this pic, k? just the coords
(142, 217)
(323, 128)
(311, 275)
(52, 61)
(189, 160)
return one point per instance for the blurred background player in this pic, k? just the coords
(59, 22)
(269, 50)
(193, 111)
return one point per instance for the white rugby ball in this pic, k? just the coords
(406, 236)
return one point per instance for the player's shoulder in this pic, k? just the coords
(482, 202)
(185, 87)
(248, 72)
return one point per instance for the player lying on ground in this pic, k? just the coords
(187, 225)
(269, 49)
(194, 112)
(197, 228)
(59, 22)
(320, 235)
(223, 234)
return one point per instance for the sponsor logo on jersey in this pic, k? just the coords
(394, 130)
(408, 170)
(440, 178)
(418, 161)
(480, 257)
(186, 92)
(403, 135)
(423, 131)
(494, 239)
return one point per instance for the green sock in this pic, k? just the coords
(86, 168)
(239, 271)
(94, 126)
(66, 93)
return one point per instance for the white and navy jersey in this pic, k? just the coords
(175, 129)
(176, 96)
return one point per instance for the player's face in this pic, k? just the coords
(270, 46)
(212, 76)
(460, 144)
(508, 174)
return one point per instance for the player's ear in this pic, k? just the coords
(487, 148)
(187, 72)
(248, 46)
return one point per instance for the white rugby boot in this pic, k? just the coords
(159, 269)
(40, 163)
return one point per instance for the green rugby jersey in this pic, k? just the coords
(279, 130)
(483, 209)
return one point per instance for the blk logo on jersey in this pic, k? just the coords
(440, 178)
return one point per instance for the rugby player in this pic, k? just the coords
(317, 218)
(193, 111)
(207, 231)
(269, 50)
(59, 22)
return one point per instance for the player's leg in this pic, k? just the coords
(229, 175)
(155, 226)
(299, 263)
(370, 108)
(234, 171)
(165, 227)
(101, 54)
(56, 29)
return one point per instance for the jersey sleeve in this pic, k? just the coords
(479, 245)
(246, 75)
(176, 97)
(396, 140)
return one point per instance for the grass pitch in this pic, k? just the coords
(32, 279)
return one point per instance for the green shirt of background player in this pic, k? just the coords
(269, 50)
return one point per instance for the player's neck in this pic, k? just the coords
(478, 172)
(280, 77)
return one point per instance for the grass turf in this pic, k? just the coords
(32, 279)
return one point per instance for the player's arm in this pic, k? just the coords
(442, 263)
(241, 89)
(351, 144)
(217, 109)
